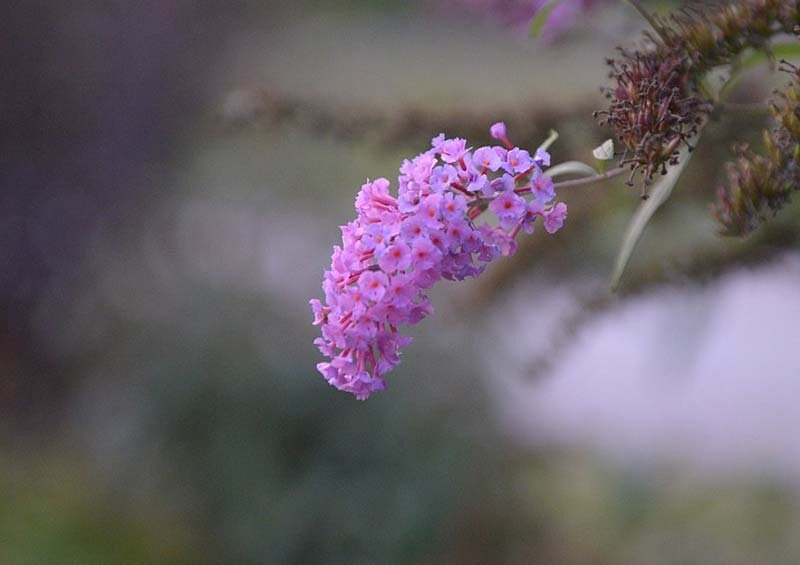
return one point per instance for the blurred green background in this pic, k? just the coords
(173, 175)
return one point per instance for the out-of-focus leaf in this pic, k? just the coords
(539, 21)
(654, 23)
(659, 194)
(571, 168)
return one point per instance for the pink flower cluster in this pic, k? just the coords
(399, 247)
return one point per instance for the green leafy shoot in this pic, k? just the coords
(539, 21)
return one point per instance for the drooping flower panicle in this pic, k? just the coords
(761, 184)
(399, 247)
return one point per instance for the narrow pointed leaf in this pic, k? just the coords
(659, 194)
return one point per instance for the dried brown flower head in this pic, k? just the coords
(712, 33)
(654, 108)
(655, 101)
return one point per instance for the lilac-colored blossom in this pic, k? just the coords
(372, 285)
(509, 208)
(518, 161)
(542, 158)
(554, 217)
(505, 183)
(412, 228)
(542, 186)
(396, 257)
(480, 183)
(487, 158)
(452, 150)
(443, 177)
(428, 211)
(454, 206)
(533, 209)
(401, 246)
(424, 254)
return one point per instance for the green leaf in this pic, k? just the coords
(571, 168)
(541, 18)
(659, 194)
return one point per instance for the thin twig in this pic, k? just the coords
(589, 180)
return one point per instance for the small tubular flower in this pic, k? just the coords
(399, 247)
